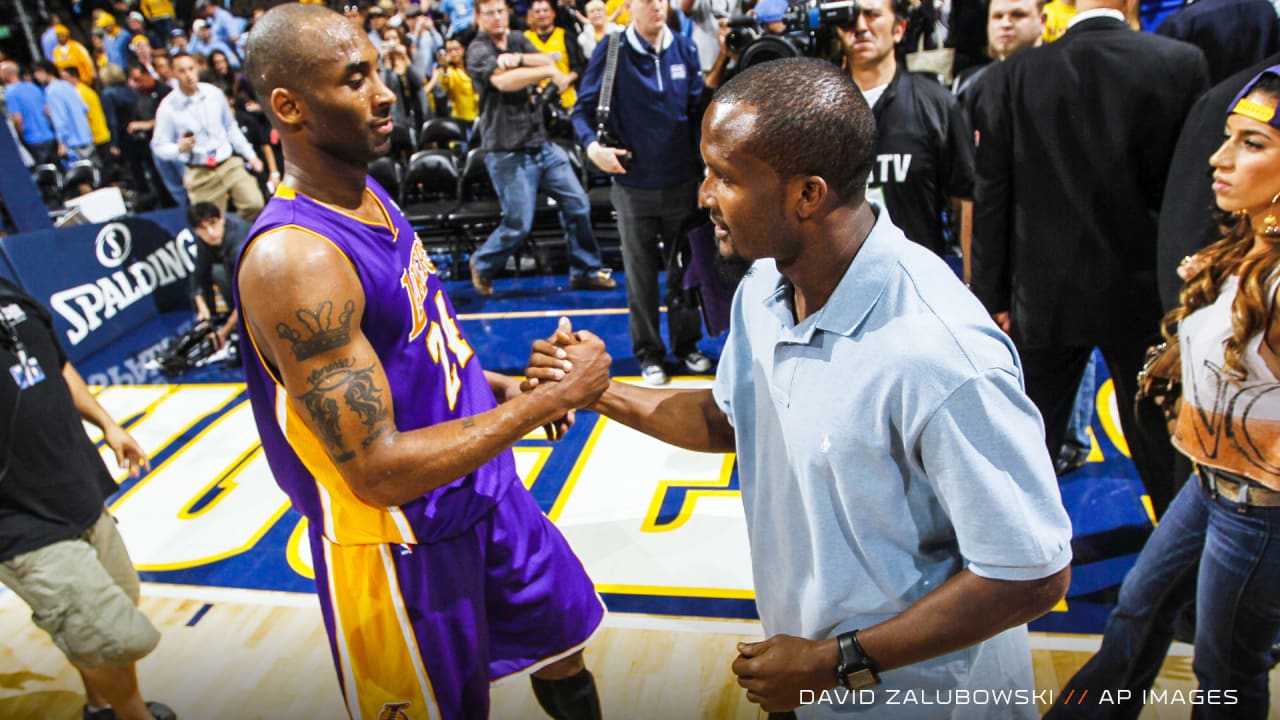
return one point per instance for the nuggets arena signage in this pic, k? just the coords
(100, 281)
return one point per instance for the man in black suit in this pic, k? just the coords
(1070, 175)
(1187, 223)
(1233, 34)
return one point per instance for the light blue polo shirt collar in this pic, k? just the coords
(855, 295)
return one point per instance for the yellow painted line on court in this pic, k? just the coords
(672, 591)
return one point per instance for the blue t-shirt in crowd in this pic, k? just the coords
(27, 99)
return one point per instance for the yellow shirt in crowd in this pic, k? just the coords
(73, 54)
(152, 9)
(97, 118)
(555, 43)
(463, 101)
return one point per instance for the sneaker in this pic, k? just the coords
(597, 280)
(653, 374)
(697, 363)
(482, 284)
(105, 713)
(161, 711)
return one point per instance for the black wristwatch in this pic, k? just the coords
(856, 670)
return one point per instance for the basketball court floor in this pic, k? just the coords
(227, 574)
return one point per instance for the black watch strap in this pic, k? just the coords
(856, 669)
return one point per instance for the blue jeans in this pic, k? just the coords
(517, 176)
(1225, 557)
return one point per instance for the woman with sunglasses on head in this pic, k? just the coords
(1218, 545)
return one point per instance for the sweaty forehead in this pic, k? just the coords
(332, 45)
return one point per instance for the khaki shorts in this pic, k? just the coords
(84, 593)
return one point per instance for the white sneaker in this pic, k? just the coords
(653, 374)
(697, 363)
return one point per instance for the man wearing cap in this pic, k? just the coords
(205, 43)
(179, 42)
(137, 24)
(1084, 129)
(194, 124)
(114, 40)
(923, 170)
(655, 116)
(71, 52)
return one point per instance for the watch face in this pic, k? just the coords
(859, 679)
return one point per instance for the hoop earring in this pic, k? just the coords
(1270, 223)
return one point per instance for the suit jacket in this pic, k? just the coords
(1071, 169)
(1233, 34)
(1187, 223)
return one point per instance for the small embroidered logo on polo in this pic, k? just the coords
(394, 711)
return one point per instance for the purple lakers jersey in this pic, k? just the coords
(433, 373)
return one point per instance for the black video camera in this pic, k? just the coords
(809, 32)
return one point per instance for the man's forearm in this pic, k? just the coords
(689, 419)
(963, 611)
(86, 404)
(521, 77)
(393, 471)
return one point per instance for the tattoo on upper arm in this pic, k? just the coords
(358, 391)
(320, 333)
(468, 423)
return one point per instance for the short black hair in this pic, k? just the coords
(810, 120)
(275, 55)
(72, 70)
(201, 213)
(47, 67)
(548, 2)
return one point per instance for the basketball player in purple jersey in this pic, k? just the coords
(437, 572)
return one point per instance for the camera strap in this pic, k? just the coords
(606, 82)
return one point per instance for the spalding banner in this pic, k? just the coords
(100, 281)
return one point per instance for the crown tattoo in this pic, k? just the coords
(321, 332)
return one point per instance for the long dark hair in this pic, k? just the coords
(1253, 305)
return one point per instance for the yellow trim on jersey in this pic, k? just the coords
(285, 193)
(354, 521)
(348, 519)
(380, 656)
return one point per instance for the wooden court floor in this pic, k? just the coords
(264, 655)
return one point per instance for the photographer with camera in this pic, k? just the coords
(923, 170)
(766, 18)
(220, 237)
(505, 68)
(654, 115)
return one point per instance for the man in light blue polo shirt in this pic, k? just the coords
(67, 112)
(27, 111)
(902, 509)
